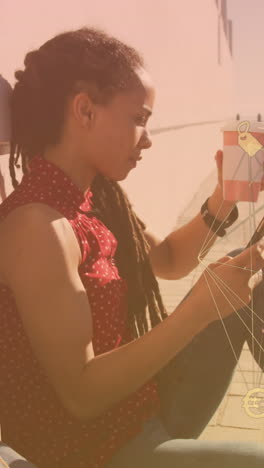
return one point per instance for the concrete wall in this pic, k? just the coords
(188, 54)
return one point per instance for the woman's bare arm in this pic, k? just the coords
(41, 266)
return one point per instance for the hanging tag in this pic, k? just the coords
(246, 141)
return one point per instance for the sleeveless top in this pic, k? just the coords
(33, 420)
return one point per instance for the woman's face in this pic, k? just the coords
(119, 132)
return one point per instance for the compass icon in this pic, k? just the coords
(253, 402)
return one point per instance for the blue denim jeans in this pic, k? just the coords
(191, 388)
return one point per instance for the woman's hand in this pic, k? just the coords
(218, 207)
(219, 165)
(212, 290)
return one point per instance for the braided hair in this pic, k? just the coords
(73, 60)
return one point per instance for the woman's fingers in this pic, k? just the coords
(219, 156)
(251, 271)
(251, 259)
(255, 279)
(224, 259)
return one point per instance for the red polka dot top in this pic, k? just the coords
(32, 418)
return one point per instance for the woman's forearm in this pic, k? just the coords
(112, 376)
(195, 238)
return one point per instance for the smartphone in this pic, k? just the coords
(258, 234)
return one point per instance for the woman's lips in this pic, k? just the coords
(138, 158)
(133, 162)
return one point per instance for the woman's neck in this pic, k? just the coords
(75, 167)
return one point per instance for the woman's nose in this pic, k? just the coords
(146, 140)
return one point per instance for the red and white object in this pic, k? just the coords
(243, 160)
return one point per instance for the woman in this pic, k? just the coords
(83, 364)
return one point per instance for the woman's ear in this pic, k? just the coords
(90, 115)
(83, 109)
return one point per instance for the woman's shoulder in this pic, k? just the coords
(32, 227)
(25, 216)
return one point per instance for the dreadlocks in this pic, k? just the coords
(69, 61)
